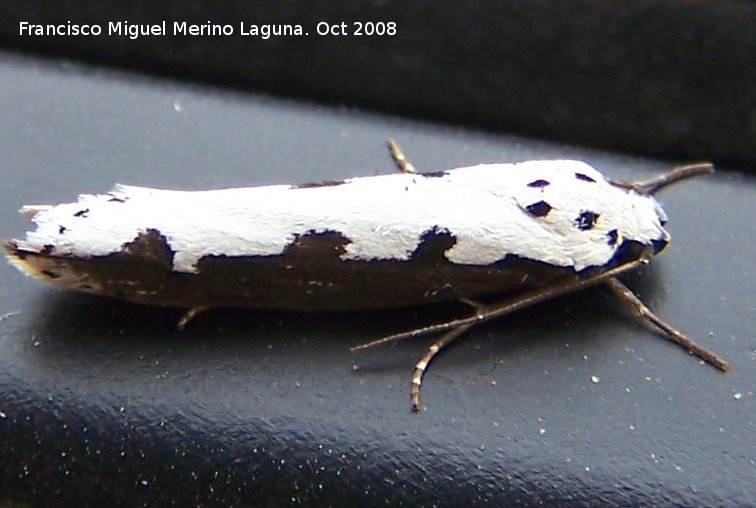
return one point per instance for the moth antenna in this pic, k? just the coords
(650, 187)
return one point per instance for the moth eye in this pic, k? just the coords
(539, 209)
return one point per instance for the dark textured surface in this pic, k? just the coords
(669, 77)
(570, 403)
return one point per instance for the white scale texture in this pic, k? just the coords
(384, 217)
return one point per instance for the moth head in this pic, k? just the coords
(635, 224)
(661, 242)
(652, 212)
(658, 237)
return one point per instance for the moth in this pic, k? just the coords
(515, 234)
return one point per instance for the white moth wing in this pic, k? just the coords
(488, 209)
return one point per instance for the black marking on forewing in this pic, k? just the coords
(313, 185)
(613, 237)
(540, 209)
(82, 213)
(434, 174)
(433, 244)
(318, 245)
(586, 220)
(584, 177)
(61, 230)
(115, 199)
(151, 245)
(539, 183)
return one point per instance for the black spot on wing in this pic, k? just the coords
(586, 220)
(613, 237)
(82, 213)
(433, 174)
(539, 183)
(433, 243)
(114, 199)
(61, 230)
(151, 245)
(539, 209)
(314, 185)
(319, 245)
(584, 177)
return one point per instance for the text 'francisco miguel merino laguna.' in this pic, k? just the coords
(134, 30)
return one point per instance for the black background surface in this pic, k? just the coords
(107, 401)
(670, 78)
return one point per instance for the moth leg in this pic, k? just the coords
(638, 308)
(456, 327)
(508, 305)
(422, 364)
(401, 161)
(188, 316)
